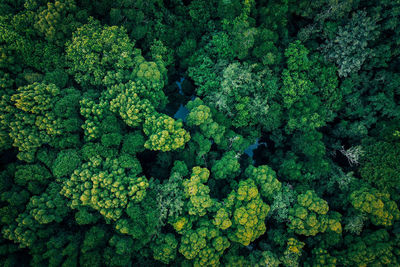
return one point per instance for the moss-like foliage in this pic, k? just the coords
(199, 133)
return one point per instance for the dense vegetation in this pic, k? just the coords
(199, 133)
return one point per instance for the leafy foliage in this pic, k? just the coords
(199, 133)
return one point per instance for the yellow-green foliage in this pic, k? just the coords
(96, 51)
(227, 167)
(197, 192)
(58, 20)
(200, 116)
(309, 216)
(93, 114)
(49, 206)
(265, 178)
(204, 245)
(34, 122)
(164, 248)
(152, 74)
(221, 219)
(105, 186)
(377, 205)
(164, 133)
(322, 258)
(129, 104)
(199, 133)
(249, 213)
(292, 252)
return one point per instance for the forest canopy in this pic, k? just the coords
(199, 133)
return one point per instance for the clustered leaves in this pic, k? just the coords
(199, 133)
